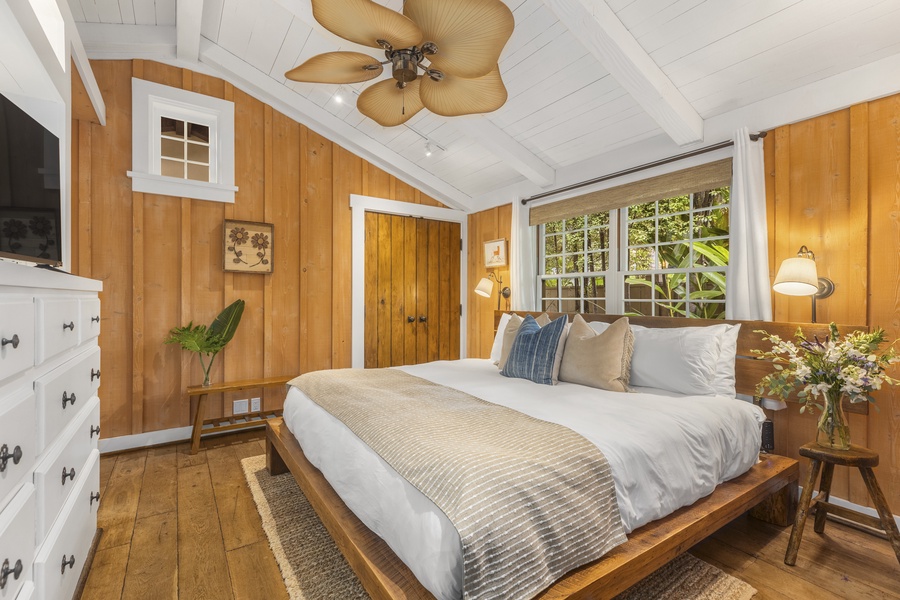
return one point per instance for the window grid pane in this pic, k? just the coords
(676, 250)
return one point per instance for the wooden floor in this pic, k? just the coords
(182, 526)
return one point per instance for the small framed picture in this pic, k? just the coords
(495, 253)
(248, 246)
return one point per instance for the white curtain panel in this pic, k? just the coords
(747, 283)
(523, 262)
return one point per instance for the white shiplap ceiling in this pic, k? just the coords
(586, 78)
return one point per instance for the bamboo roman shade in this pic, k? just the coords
(695, 179)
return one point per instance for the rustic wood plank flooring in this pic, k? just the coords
(178, 526)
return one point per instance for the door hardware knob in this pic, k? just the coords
(410, 319)
(95, 319)
(95, 496)
(67, 563)
(14, 341)
(95, 430)
(5, 572)
(422, 318)
(69, 475)
(16, 456)
(67, 399)
(95, 374)
(70, 325)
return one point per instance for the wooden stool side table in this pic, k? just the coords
(825, 459)
(243, 421)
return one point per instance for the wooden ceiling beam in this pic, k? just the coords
(188, 17)
(601, 32)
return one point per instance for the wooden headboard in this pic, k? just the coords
(748, 370)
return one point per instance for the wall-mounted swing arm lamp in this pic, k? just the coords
(798, 277)
(485, 287)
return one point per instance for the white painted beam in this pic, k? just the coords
(505, 147)
(156, 42)
(83, 64)
(602, 33)
(188, 18)
(260, 85)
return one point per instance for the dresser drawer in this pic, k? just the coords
(70, 539)
(89, 319)
(63, 393)
(64, 467)
(16, 336)
(17, 428)
(57, 326)
(17, 540)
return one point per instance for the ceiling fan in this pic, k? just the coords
(461, 41)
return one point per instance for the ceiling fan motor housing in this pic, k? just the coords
(405, 64)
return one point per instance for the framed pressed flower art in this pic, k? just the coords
(248, 246)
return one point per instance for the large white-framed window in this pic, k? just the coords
(663, 258)
(182, 143)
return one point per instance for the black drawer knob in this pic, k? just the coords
(95, 430)
(70, 325)
(95, 319)
(14, 340)
(95, 496)
(6, 571)
(5, 456)
(67, 563)
(67, 399)
(69, 475)
(95, 374)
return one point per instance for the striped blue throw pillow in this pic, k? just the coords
(534, 351)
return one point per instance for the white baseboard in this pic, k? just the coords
(866, 510)
(142, 440)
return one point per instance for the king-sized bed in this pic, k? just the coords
(682, 464)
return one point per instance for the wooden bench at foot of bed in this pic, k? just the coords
(773, 480)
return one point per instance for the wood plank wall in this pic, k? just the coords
(161, 258)
(484, 226)
(833, 184)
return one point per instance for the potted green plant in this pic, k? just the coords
(209, 341)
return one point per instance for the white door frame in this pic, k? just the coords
(360, 205)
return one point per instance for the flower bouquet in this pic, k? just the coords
(825, 371)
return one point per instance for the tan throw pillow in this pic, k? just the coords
(509, 335)
(598, 360)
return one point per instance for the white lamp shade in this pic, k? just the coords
(797, 277)
(485, 287)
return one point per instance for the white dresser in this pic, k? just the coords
(49, 430)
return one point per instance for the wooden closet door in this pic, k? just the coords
(412, 290)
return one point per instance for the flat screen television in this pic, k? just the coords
(29, 188)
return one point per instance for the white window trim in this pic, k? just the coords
(150, 102)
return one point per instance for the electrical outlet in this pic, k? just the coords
(239, 407)
(255, 405)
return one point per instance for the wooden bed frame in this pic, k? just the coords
(769, 488)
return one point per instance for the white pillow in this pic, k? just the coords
(723, 379)
(497, 348)
(680, 359)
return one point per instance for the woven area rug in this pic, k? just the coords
(314, 569)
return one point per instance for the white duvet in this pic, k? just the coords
(665, 451)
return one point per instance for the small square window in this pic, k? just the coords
(184, 149)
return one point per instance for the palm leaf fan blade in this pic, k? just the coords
(365, 22)
(456, 96)
(469, 34)
(225, 325)
(337, 67)
(388, 105)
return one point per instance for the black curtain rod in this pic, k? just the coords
(663, 161)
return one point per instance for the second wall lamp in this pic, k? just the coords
(485, 287)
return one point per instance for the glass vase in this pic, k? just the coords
(834, 429)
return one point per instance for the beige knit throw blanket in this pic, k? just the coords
(531, 500)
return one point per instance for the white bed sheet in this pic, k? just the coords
(665, 452)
